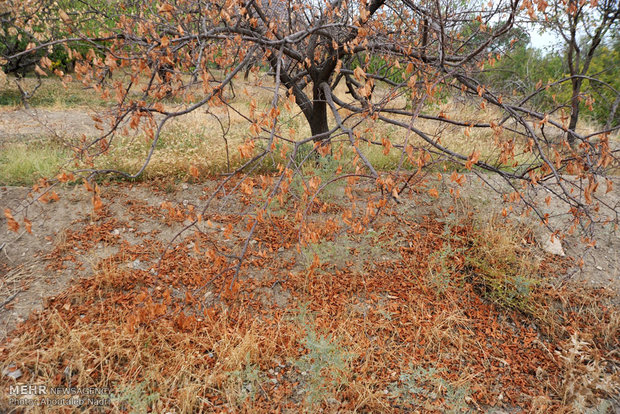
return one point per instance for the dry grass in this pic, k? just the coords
(196, 139)
(51, 94)
(24, 163)
(192, 141)
(501, 265)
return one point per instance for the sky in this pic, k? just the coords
(544, 41)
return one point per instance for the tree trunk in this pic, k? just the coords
(318, 119)
(612, 113)
(574, 115)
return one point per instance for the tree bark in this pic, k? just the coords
(574, 115)
(612, 113)
(318, 118)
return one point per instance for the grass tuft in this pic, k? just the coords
(24, 163)
(501, 266)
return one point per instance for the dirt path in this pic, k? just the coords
(23, 124)
(35, 123)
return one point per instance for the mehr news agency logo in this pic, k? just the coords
(42, 395)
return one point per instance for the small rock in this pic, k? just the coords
(553, 246)
(138, 265)
(116, 232)
(253, 242)
(11, 372)
(15, 374)
(185, 186)
(281, 249)
(599, 268)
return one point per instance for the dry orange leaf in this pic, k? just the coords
(64, 177)
(10, 221)
(28, 225)
(39, 71)
(97, 203)
(193, 171)
(165, 8)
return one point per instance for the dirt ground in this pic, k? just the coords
(601, 263)
(22, 124)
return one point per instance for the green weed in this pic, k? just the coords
(136, 398)
(347, 247)
(246, 381)
(325, 364)
(423, 387)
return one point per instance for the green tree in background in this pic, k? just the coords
(606, 67)
(583, 27)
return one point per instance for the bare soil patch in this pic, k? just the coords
(24, 124)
